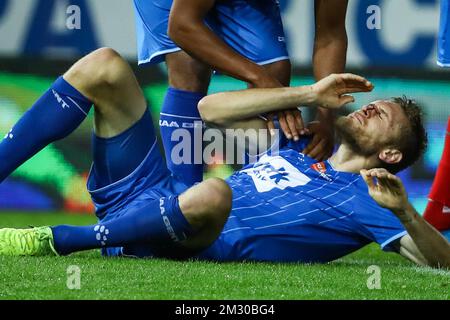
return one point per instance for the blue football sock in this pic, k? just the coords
(158, 222)
(57, 113)
(180, 111)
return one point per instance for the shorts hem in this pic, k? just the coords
(281, 58)
(150, 60)
(443, 64)
(392, 239)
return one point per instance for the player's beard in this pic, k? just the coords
(352, 137)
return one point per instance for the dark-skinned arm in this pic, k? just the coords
(330, 51)
(189, 31)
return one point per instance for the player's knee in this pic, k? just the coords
(186, 73)
(220, 197)
(99, 68)
(107, 64)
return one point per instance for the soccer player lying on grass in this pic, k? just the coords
(283, 208)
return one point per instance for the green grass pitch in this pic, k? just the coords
(122, 278)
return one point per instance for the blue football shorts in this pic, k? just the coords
(253, 28)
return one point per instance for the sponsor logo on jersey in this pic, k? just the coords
(275, 172)
(321, 168)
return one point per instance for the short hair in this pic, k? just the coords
(413, 141)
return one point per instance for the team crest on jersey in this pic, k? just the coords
(321, 168)
(275, 172)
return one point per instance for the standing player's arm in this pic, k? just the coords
(329, 56)
(423, 245)
(189, 31)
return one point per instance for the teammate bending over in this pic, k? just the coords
(286, 207)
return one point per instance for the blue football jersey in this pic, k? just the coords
(287, 207)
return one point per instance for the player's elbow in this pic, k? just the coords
(210, 111)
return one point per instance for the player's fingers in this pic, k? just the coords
(315, 140)
(271, 127)
(318, 151)
(314, 147)
(343, 100)
(356, 80)
(327, 151)
(377, 172)
(367, 178)
(290, 120)
(284, 126)
(391, 180)
(299, 123)
(352, 90)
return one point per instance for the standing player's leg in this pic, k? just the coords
(188, 82)
(437, 212)
(281, 71)
(255, 30)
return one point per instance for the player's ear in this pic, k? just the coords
(390, 156)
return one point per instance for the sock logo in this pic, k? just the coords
(185, 125)
(166, 221)
(9, 135)
(171, 124)
(101, 234)
(60, 100)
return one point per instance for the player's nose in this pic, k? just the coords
(368, 111)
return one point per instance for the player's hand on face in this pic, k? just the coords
(334, 91)
(322, 144)
(291, 123)
(386, 189)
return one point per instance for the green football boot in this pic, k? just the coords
(27, 242)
